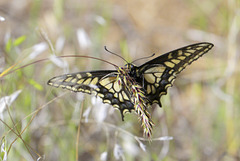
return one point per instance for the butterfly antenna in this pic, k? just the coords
(144, 58)
(115, 54)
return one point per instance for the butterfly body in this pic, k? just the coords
(115, 86)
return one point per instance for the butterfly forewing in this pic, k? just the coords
(103, 84)
(159, 73)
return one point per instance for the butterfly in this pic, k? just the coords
(154, 77)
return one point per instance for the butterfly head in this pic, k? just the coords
(129, 66)
(131, 69)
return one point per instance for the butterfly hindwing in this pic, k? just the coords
(102, 83)
(159, 73)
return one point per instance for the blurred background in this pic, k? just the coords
(200, 115)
